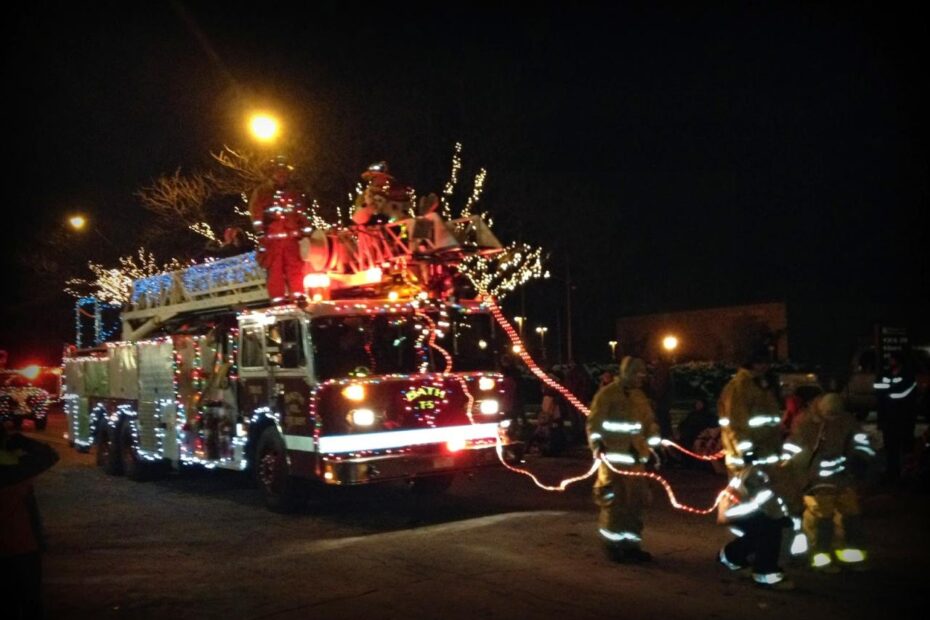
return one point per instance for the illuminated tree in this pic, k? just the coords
(114, 285)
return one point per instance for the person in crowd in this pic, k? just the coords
(21, 536)
(513, 382)
(233, 243)
(694, 423)
(550, 429)
(796, 404)
(621, 433)
(578, 383)
(660, 390)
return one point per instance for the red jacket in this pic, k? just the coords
(279, 212)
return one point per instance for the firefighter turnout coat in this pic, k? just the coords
(621, 429)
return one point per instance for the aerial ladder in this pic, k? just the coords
(351, 257)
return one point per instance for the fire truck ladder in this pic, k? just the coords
(240, 281)
(224, 283)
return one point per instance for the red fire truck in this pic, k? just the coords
(383, 376)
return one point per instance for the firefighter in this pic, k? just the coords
(897, 403)
(827, 439)
(278, 211)
(750, 416)
(622, 432)
(750, 421)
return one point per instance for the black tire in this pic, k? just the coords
(107, 450)
(273, 473)
(133, 465)
(41, 423)
(432, 485)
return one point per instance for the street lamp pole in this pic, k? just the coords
(78, 223)
(613, 349)
(519, 320)
(541, 330)
(670, 344)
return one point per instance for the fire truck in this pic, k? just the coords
(387, 373)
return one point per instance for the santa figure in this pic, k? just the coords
(279, 216)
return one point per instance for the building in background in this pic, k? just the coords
(721, 334)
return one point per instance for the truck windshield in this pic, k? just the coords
(387, 344)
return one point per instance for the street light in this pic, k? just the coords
(264, 127)
(519, 320)
(613, 349)
(670, 343)
(541, 330)
(77, 222)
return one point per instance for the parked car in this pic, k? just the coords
(805, 384)
(860, 389)
(21, 400)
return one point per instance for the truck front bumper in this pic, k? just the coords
(361, 470)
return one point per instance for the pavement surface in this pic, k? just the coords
(202, 545)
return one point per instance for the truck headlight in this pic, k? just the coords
(354, 392)
(489, 406)
(362, 417)
(486, 384)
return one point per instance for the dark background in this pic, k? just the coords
(675, 157)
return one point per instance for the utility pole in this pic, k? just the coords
(568, 309)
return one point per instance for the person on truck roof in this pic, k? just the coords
(279, 216)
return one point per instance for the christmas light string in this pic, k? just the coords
(520, 349)
(716, 456)
(673, 500)
(447, 370)
(562, 486)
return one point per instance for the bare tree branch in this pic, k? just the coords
(179, 196)
(243, 171)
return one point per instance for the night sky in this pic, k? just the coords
(671, 157)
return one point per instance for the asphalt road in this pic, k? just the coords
(202, 545)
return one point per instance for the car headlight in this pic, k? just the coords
(362, 417)
(486, 383)
(489, 406)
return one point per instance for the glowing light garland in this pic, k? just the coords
(673, 500)
(103, 330)
(476, 192)
(114, 285)
(453, 181)
(499, 274)
(204, 230)
(571, 398)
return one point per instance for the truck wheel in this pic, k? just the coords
(133, 465)
(273, 473)
(107, 454)
(432, 485)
